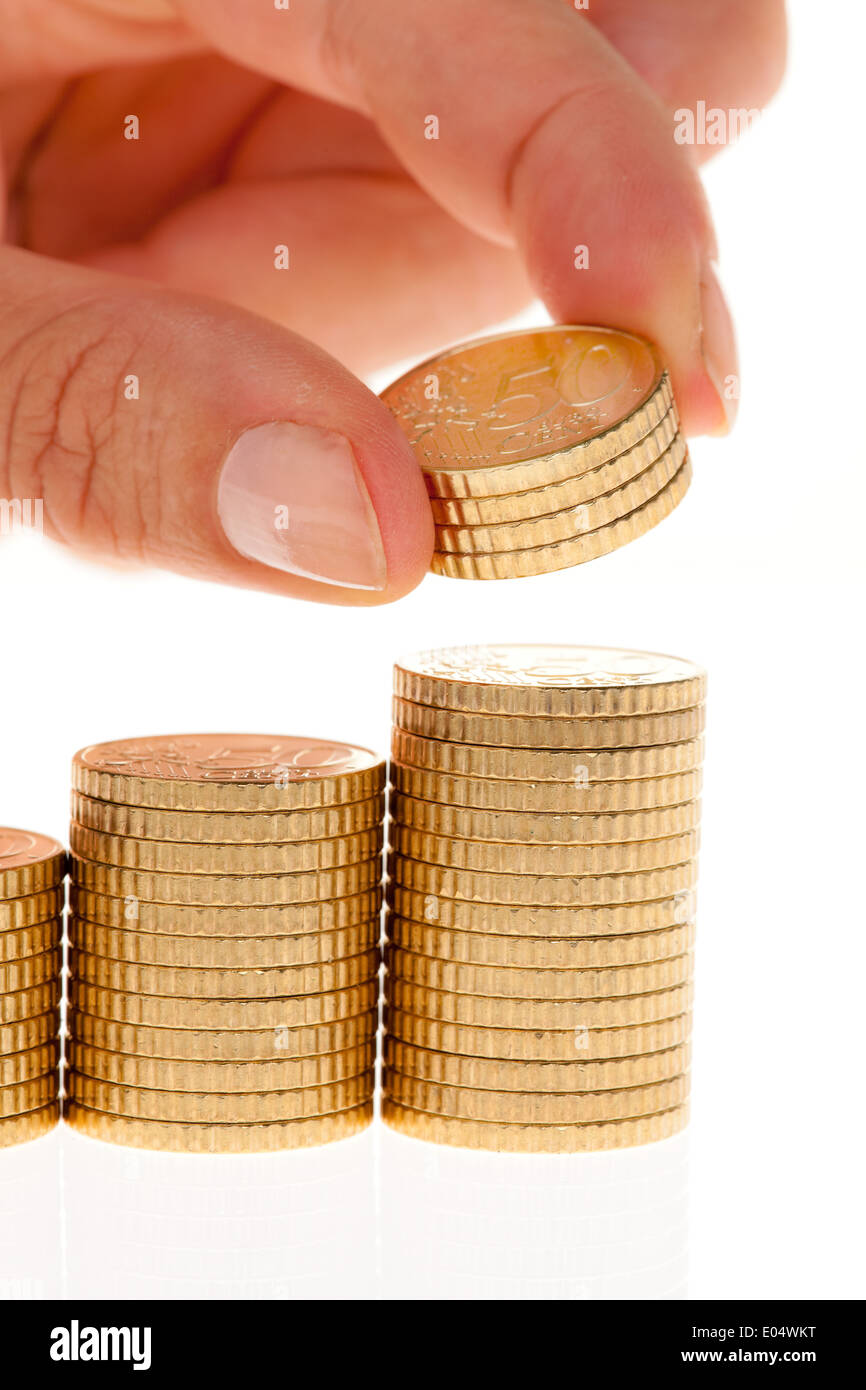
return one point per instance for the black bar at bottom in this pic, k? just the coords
(252, 1340)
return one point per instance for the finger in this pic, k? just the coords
(60, 37)
(185, 434)
(376, 272)
(76, 181)
(729, 54)
(546, 139)
(379, 271)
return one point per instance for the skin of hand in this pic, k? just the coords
(178, 398)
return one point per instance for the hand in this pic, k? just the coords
(160, 389)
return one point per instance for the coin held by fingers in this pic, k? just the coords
(542, 449)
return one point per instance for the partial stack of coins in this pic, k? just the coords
(32, 871)
(542, 449)
(544, 837)
(224, 930)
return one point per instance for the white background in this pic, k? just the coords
(758, 575)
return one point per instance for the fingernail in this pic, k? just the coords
(718, 346)
(292, 497)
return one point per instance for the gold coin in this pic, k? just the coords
(25, 942)
(542, 890)
(569, 492)
(505, 919)
(576, 766)
(27, 1003)
(29, 1032)
(535, 1108)
(19, 1129)
(224, 952)
(29, 1095)
(227, 772)
(29, 1064)
(557, 733)
(231, 985)
(488, 856)
(172, 857)
(517, 1138)
(557, 1014)
(219, 1138)
(550, 680)
(160, 1073)
(538, 1045)
(226, 890)
(203, 1107)
(524, 409)
(588, 545)
(277, 919)
(33, 970)
(555, 953)
(543, 828)
(156, 1011)
(30, 863)
(490, 1074)
(515, 982)
(553, 526)
(267, 1045)
(242, 827)
(17, 913)
(580, 797)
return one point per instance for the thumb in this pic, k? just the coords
(183, 433)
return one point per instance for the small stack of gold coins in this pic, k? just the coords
(542, 449)
(224, 941)
(32, 871)
(544, 837)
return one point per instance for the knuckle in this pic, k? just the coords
(337, 45)
(60, 427)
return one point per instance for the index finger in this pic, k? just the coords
(529, 128)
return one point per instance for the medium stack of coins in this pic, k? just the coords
(542, 449)
(224, 930)
(32, 871)
(544, 836)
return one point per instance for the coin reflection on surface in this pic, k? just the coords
(526, 1227)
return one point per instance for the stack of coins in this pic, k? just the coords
(32, 871)
(542, 449)
(224, 933)
(544, 836)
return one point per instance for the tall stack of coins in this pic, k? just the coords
(224, 928)
(32, 871)
(543, 859)
(542, 449)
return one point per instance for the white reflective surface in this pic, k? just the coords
(465, 1225)
(375, 1217)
